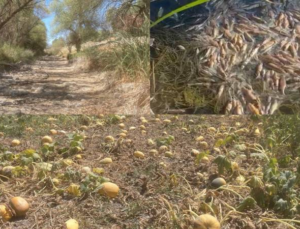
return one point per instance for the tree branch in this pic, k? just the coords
(3, 23)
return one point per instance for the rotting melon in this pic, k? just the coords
(206, 221)
(109, 189)
(19, 205)
(5, 213)
(72, 224)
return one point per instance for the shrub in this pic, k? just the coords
(14, 54)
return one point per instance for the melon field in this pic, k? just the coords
(149, 172)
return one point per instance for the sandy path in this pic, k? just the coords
(53, 86)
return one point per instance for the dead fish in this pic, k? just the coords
(248, 37)
(232, 47)
(214, 43)
(296, 45)
(266, 47)
(222, 52)
(221, 72)
(284, 42)
(252, 54)
(293, 50)
(282, 84)
(274, 67)
(227, 34)
(266, 41)
(275, 80)
(248, 95)
(212, 60)
(267, 76)
(286, 23)
(268, 106)
(216, 32)
(240, 41)
(274, 106)
(232, 59)
(258, 70)
(297, 29)
(291, 21)
(253, 109)
(281, 16)
(180, 47)
(238, 110)
(271, 84)
(258, 20)
(287, 45)
(220, 91)
(228, 107)
(238, 30)
(244, 48)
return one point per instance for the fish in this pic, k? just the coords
(293, 50)
(274, 106)
(258, 70)
(253, 109)
(297, 29)
(244, 48)
(229, 107)
(267, 46)
(248, 95)
(275, 80)
(238, 110)
(220, 91)
(282, 84)
(232, 59)
(248, 37)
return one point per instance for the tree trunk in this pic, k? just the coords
(78, 46)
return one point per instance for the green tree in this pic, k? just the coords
(21, 26)
(37, 38)
(77, 18)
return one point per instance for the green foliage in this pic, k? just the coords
(200, 156)
(247, 204)
(57, 45)
(223, 164)
(37, 39)
(23, 34)
(282, 134)
(14, 54)
(278, 190)
(78, 18)
(129, 57)
(224, 142)
(164, 140)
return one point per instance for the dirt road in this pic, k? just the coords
(53, 86)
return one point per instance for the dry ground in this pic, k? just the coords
(53, 86)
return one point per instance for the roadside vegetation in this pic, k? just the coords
(22, 32)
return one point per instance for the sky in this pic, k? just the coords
(48, 20)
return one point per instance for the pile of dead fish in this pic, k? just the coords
(249, 54)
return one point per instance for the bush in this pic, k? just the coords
(14, 54)
(129, 57)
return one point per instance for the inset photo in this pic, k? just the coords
(74, 57)
(225, 57)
